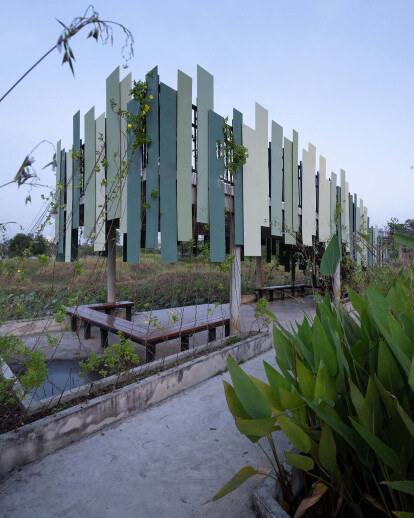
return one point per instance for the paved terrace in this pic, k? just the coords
(166, 461)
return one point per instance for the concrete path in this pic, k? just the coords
(166, 461)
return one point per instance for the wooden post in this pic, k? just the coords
(235, 286)
(336, 284)
(259, 272)
(293, 273)
(111, 263)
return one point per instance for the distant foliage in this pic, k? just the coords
(25, 245)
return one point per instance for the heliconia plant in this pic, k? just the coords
(343, 393)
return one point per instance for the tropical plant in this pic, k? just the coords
(342, 393)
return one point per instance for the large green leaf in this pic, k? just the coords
(404, 240)
(301, 349)
(276, 380)
(331, 257)
(356, 397)
(305, 332)
(411, 375)
(267, 391)
(400, 338)
(233, 402)
(305, 379)
(385, 398)
(302, 462)
(351, 329)
(406, 486)
(347, 433)
(325, 384)
(292, 401)
(256, 427)
(403, 514)
(388, 371)
(326, 351)
(379, 307)
(284, 349)
(253, 401)
(405, 417)
(399, 439)
(300, 439)
(358, 303)
(382, 450)
(371, 412)
(238, 479)
(396, 340)
(327, 449)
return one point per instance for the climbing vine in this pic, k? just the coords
(235, 155)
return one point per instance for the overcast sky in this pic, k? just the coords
(339, 72)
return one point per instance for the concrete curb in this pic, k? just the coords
(265, 497)
(47, 435)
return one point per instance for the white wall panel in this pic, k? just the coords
(324, 202)
(333, 202)
(255, 182)
(308, 194)
(295, 181)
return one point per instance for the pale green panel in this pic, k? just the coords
(69, 199)
(100, 189)
(308, 194)
(290, 235)
(262, 163)
(58, 182)
(205, 102)
(184, 150)
(276, 174)
(90, 175)
(124, 89)
(113, 142)
(324, 202)
(295, 181)
(333, 203)
(357, 230)
(345, 223)
(251, 195)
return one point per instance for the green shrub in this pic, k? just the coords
(116, 359)
(343, 395)
(33, 369)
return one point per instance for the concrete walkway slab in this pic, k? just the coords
(163, 462)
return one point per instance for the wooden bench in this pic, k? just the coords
(107, 307)
(150, 335)
(281, 289)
